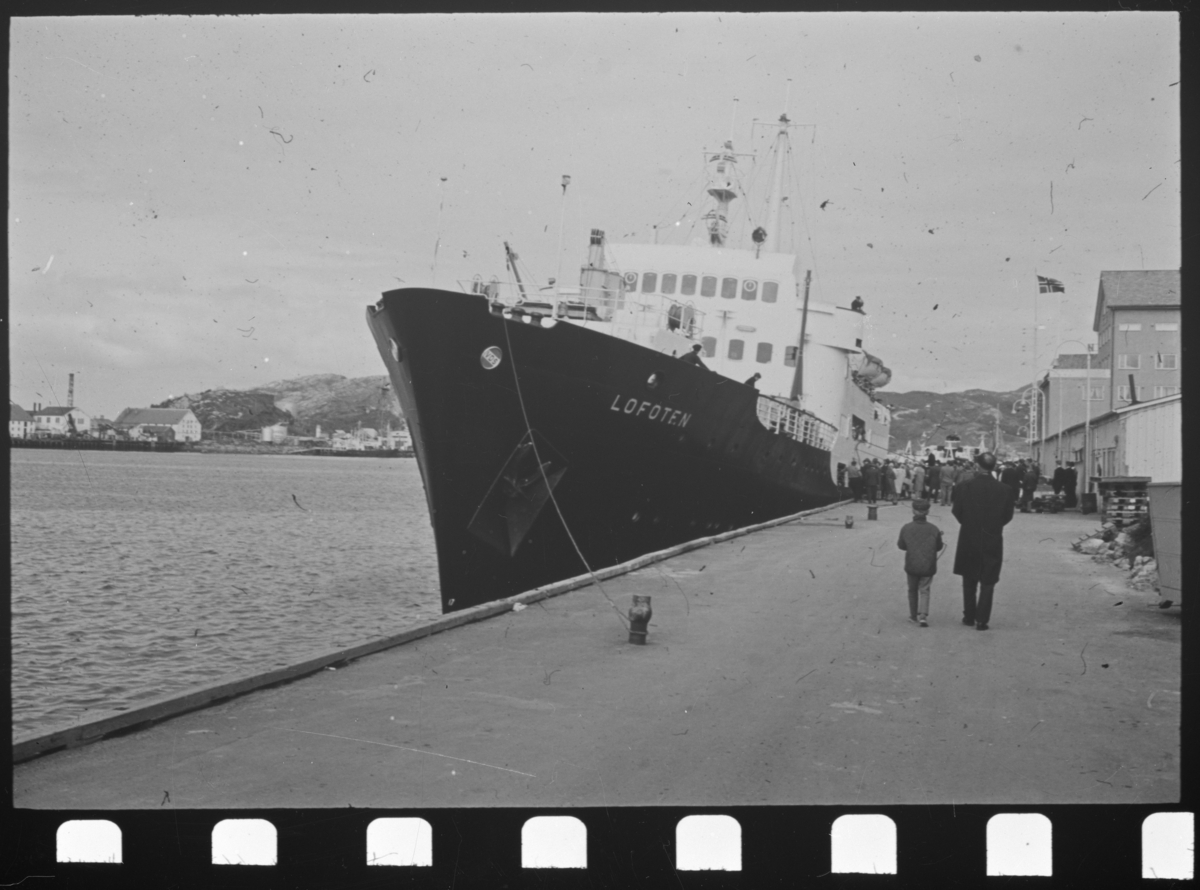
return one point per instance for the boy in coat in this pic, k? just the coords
(921, 542)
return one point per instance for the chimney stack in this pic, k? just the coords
(71, 390)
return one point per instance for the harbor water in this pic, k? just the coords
(140, 575)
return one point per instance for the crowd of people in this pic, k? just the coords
(983, 495)
(890, 480)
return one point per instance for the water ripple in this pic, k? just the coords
(153, 573)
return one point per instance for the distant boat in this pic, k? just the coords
(562, 432)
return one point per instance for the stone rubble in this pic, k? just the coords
(1111, 544)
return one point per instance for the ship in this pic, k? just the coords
(561, 430)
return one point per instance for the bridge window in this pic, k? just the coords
(708, 286)
(710, 346)
(770, 291)
(764, 353)
(649, 282)
(728, 288)
(668, 283)
(735, 349)
(687, 286)
(749, 289)
(789, 355)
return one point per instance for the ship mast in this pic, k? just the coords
(776, 198)
(723, 192)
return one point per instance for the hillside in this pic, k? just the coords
(928, 417)
(337, 402)
(227, 410)
(330, 401)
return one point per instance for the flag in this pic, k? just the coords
(1050, 286)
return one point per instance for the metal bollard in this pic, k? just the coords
(872, 512)
(849, 522)
(639, 619)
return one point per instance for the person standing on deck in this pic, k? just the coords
(982, 506)
(918, 481)
(693, 357)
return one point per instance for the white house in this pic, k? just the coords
(137, 422)
(20, 424)
(60, 421)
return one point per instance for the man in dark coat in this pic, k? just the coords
(982, 506)
(933, 481)
(1029, 484)
(870, 474)
(1070, 480)
(1011, 476)
(1058, 480)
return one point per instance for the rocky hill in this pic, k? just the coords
(337, 402)
(333, 401)
(228, 410)
(928, 417)
(330, 401)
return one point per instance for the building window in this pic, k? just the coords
(1166, 362)
(749, 289)
(789, 355)
(649, 282)
(710, 346)
(1129, 327)
(687, 286)
(1096, 395)
(708, 286)
(1123, 393)
(1130, 362)
(1162, 391)
(735, 349)
(770, 291)
(668, 283)
(1167, 326)
(728, 288)
(764, 353)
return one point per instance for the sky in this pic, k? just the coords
(213, 202)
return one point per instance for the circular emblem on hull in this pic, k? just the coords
(491, 357)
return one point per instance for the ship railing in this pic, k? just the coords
(594, 304)
(786, 419)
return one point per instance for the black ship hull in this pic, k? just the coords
(546, 451)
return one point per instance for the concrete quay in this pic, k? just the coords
(781, 668)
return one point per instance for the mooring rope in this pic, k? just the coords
(542, 469)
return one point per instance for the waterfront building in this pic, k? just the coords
(60, 421)
(148, 422)
(1142, 439)
(1066, 390)
(1137, 320)
(20, 423)
(1120, 413)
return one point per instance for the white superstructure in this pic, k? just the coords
(750, 308)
